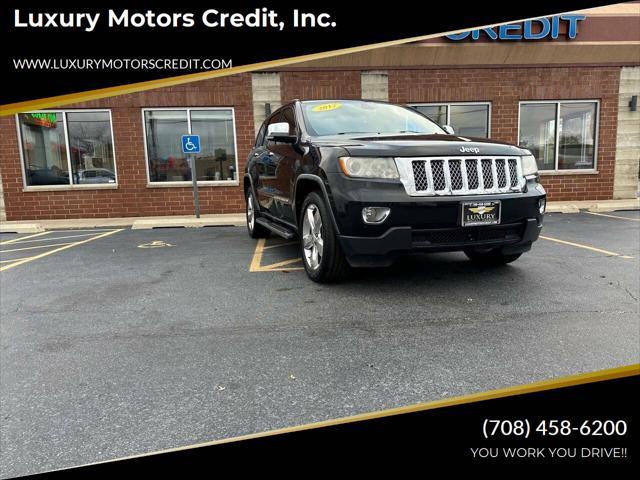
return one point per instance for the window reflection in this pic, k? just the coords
(54, 142)
(468, 119)
(537, 133)
(91, 147)
(577, 135)
(167, 163)
(435, 113)
(164, 129)
(217, 160)
(574, 133)
(44, 148)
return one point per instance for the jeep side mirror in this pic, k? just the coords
(279, 132)
(448, 129)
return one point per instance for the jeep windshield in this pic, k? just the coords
(351, 117)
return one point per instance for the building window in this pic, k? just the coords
(467, 119)
(217, 161)
(72, 147)
(561, 135)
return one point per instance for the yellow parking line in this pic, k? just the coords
(586, 247)
(283, 269)
(36, 246)
(275, 266)
(257, 256)
(256, 261)
(51, 252)
(279, 245)
(614, 216)
(14, 240)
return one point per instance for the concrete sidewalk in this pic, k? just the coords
(238, 219)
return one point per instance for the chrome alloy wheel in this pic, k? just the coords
(251, 217)
(312, 243)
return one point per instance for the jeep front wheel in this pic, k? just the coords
(320, 248)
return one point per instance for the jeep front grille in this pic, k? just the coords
(460, 175)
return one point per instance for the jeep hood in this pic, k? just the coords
(412, 145)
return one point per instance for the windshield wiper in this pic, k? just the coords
(346, 133)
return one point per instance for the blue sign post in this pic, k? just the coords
(191, 146)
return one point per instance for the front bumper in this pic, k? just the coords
(380, 251)
(428, 224)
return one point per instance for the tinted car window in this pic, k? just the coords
(288, 116)
(352, 116)
(260, 137)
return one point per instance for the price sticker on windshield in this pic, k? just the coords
(325, 107)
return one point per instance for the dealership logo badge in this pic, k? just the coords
(482, 210)
(469, 150)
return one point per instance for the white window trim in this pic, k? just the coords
(449, 104)
(569, 171)
(211, 183)
(70, 186)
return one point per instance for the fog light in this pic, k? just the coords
(375, 214)
(542, 205)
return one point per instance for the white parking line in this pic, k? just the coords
(32, 248)
(14, 240)
(614, 216)
(59, 249)
(586, 247)
(51, 239)
(14, 260)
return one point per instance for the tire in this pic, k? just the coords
(330, 264)
(255, 229)
(492, 257)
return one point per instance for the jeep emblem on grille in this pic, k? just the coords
(469, 150)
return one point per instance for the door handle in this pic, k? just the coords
(256, 154)
(271, 154)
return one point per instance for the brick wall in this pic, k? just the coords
(133, 197)
(317, 85)
(505, 87)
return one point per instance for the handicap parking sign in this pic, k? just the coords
(190, 143)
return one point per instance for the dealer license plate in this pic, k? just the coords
(480, 213)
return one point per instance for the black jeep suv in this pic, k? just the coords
(361, 182)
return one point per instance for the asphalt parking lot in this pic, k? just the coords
(116, 341)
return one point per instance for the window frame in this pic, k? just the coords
(187, 183)
(70, 185)
(558, 103)
(449, 104)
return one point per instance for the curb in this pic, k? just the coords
(227, 221)
(21, 228)
(562, 209)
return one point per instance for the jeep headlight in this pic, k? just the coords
(369, 167)
(529, 166)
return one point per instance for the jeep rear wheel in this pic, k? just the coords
(320, 249)
(491, 257)
(255, 229)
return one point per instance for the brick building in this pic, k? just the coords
(570, 100)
